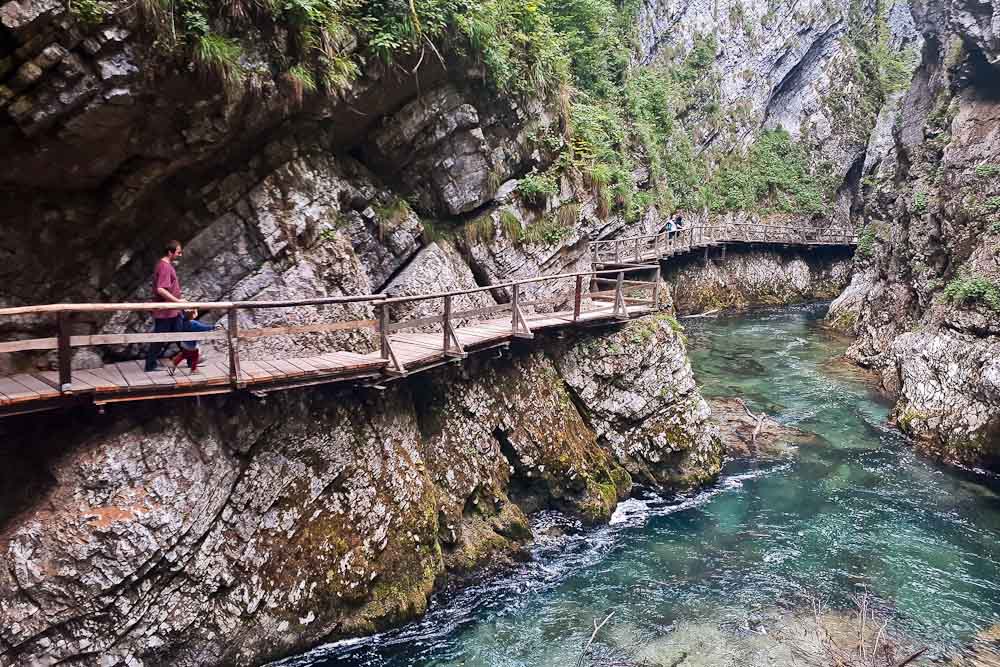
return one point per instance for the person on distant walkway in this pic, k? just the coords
(679, 222)
(167, 288)
(189, 348)
(670, 228)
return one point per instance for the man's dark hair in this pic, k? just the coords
(171, 246)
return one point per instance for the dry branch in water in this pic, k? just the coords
(869, 646)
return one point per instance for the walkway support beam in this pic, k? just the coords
(65, 353)
(233, 336)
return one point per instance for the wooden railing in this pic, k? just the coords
(583, 293)
(638, 249)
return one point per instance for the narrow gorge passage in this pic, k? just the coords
(728, 575)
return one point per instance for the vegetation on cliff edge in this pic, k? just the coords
(630, 133)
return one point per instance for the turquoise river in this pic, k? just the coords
(716, 577)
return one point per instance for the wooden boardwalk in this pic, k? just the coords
(662, 246)
(406, 346)
(598, 297)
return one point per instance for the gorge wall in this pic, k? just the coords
(234, 531)
(925, 297)
(241, 529)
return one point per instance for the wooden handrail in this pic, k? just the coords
(510, 283)
(183, 305)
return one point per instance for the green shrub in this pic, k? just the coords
(90, 12)
(547, 231)
(866, 241)
(963, 291)
(776, 175)
(987, 170)
(220, 57)
(510, 224)
(536, 189)
(920, 202)
(480, 229)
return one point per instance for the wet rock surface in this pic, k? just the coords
(751, 277)
(754, 435)
(637, 392)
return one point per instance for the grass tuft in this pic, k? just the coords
(219, 57)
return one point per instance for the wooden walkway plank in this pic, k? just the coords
(113, 373)
(286, 369)
(304, 366)
(419, 340)
(97, 379)
(15, 392)
(134, 374)
(256, 371)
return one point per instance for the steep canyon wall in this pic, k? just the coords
(233, 531)
(925, 297)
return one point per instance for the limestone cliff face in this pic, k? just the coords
(931, 226)
(113, 146)
(782, 65)
(241, 529)
(757, 277)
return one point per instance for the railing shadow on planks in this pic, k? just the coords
(650, 247)
(591, 297)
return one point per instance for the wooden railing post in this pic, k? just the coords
(637, 250)
(452, 346)
(656, 287)
(515, 294)
(577, 298)
(234, 349)
(656, 245)
(65, 352)
(518, 325)
(618, 251)
(620, 310)
(446, 323)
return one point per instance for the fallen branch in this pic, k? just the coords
(705, 314)
(593, 635)
(913, 657)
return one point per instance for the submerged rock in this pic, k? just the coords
(758, 436)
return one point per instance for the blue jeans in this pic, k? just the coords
(161, 325)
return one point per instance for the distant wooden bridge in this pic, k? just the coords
(664, 245)
(600, 296)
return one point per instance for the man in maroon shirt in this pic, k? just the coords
(166, 287)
